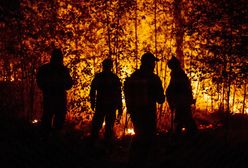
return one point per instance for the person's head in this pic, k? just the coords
(107, 64)
(148, 61)
(57, 56)
(174, 63)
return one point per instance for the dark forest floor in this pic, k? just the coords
(22, 146)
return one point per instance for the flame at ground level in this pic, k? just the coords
(130, 131)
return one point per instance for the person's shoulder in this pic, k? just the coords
(115, 75)
(100, 76)
(135, 73)
(65, 68)
(155, 78)
(182, 73)
(44, 67)
(108, 74)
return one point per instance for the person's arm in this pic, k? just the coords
(68, 80)
(170, 95)
(190, 92)
(93, 94)
(40, 78)
(160, 92)
(119, 99)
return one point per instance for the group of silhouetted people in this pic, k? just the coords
(143, 89)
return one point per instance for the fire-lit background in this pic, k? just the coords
(208, 36)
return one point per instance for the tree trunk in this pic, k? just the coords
(234, 94)
(136, 35)
(108, 32)
(244, 98)
(179, 32)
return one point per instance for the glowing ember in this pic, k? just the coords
(35, 121)
(130, 131)
(210, 126)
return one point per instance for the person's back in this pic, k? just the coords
(143, 89)
(105, 99)
(180, 97)
(179, 88)
(108, 86)
(54, 79)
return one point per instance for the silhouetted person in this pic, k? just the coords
(143, 89)
(105, 99)
(179, 96)
(54, 79)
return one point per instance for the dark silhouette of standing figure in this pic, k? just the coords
(179, 96)
(143, 89)
(105, 99)
(54, 79)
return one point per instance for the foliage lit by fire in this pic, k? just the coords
(207, 36)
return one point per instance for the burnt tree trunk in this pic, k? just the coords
(179, 31)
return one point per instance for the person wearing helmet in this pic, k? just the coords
(143, 90)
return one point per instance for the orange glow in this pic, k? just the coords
(210, 126)
(35, 121)
(130, 131)
(183, 129)
(88, 32)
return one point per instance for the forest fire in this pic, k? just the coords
(57, 123)
(88, 32)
